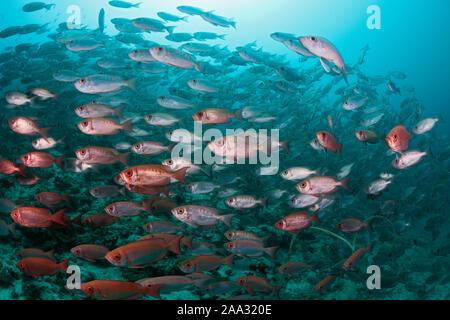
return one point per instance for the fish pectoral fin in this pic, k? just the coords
(325, 66)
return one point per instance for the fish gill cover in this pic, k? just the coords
(170, 151)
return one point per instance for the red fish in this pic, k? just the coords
(151, 175)
(141, 253)
(325, 282)
(355, 257)
(90, 252)
(52, 198)
(329, 141)
(296, 221)
(32, 252)
(38, 217)
(100, 220)
(119, 290)
(41, 160)
(38, 266)
(398, 139)
(257, 284)
(9, 167)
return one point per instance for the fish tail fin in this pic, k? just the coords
(180, 175)
(153, 290)
(339, 147)
(49, 6)
(227, 219)
(271, 251)
(263, 202)
(147, 205)
(123, 157)
(137, 4)
(238, 114)
(131, 83)
(315, 216)
(22, 171)
(368, 225)
(174, 244)
(66, 198)
(344, 183)
(44, 132)
(59, 161)
(12, 228)
(61, 141)
(170, 29)
(63, 265)
(119, 111)
(51, 254)
(207, 170)
(170, 146)
(77, 219)
(285, 145)
(441, 118)
(228, 261)
(59, 216)
(185, 19)
(233, 24)
(126, 126)
(221, 36)
(187, 241)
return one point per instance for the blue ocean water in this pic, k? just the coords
(258, 83)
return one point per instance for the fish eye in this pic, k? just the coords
(313, 39)
(13, 121)
(82, 152)
(324, 134)
(129, 173)
(180, 211)
(83, 80)
(25, 157)
(282, 68)
(170, 133)
(35, 142)
(231, 200)
(241, 282)
(162, 98)
(188, 265)
(303, 185)
(170, 162)
(84, 123)
(396, 161)
(194, 81)
(90, 290)
(395, 137)
(149, 117)
(219, 142)
(77, 252)
(285, 172)
(118, 257)
(135, 51)
(160, 49)
(200, 114)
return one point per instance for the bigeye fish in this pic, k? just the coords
(173, 57)
(102, 83)
(324, 49)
